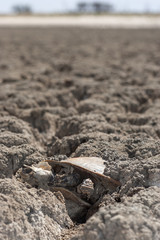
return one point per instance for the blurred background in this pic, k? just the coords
(79, 6)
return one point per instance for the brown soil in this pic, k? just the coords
(80, 92)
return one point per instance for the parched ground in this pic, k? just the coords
(80, 92)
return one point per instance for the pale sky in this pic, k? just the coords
(66, 5)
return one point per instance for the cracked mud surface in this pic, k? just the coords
(76, 92)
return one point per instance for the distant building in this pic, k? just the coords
(95, 7)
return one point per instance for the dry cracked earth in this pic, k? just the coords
(80, 92)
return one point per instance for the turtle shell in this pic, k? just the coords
(88, 167)
(46, 175)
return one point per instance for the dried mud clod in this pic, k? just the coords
(80, 180)
(137, 217)
(30, 213)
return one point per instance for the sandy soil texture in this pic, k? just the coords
(80, 92)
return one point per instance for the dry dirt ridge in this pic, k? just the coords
(75, 92)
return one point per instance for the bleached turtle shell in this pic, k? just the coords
(88, 167)
(93, 164)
